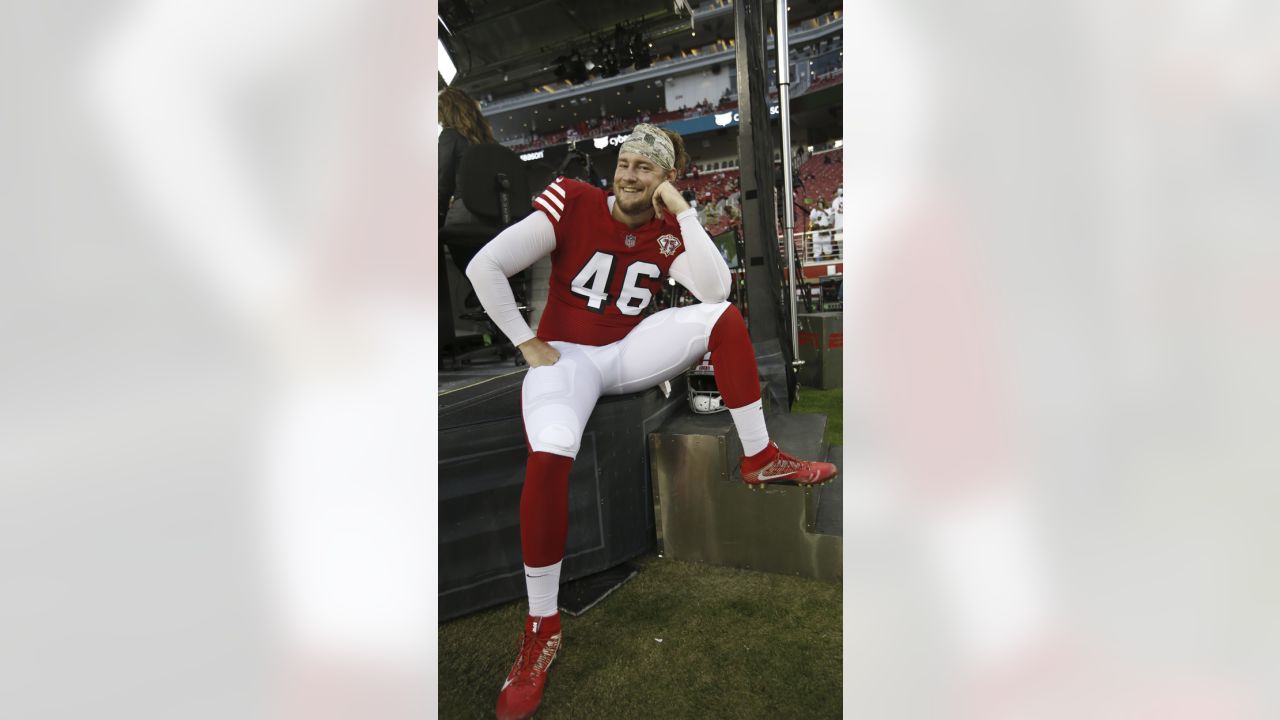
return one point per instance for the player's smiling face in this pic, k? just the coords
(634, 180)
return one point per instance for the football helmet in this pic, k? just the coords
(704, 396)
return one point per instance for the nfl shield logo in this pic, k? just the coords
(630, 241)
(668, 244)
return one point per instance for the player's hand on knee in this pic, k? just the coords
(538, 353)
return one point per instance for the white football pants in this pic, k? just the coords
(558, 399)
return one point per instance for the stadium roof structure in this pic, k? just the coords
(508, 52)
(508, 47)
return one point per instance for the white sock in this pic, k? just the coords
(543, 585)
(749, 420)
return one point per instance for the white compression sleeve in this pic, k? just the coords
(701, 267)
(515, 249)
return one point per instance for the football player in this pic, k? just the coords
(609, 257)
(820, 221)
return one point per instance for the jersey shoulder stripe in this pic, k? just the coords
(546, 206)
(556, 199)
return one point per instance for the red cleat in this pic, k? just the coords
(522, 692)
(771, 465)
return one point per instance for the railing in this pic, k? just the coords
(817, 247)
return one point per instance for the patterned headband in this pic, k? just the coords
(649, 141)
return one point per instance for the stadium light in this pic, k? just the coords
(640, 52)
(577, 68)
(606, 59)
(571, 68)
(447, 69)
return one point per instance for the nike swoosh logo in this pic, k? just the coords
(506, 683)
(772, 477)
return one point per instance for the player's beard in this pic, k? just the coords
(633, 207)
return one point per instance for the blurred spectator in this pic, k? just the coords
(837, 212)
(820, 224)
(464, 126)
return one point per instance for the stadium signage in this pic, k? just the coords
(732, 118)
(686, 127)
(535, 155)
(604, 142)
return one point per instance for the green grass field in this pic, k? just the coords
(824, 402)
(734, 643)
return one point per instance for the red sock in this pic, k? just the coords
(549, 625)
(762, 458)
(544, 509)
(734, 359)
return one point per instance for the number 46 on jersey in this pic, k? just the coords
(593, 280)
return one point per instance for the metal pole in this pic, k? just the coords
(789, 213)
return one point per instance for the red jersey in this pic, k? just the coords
(603, 273)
